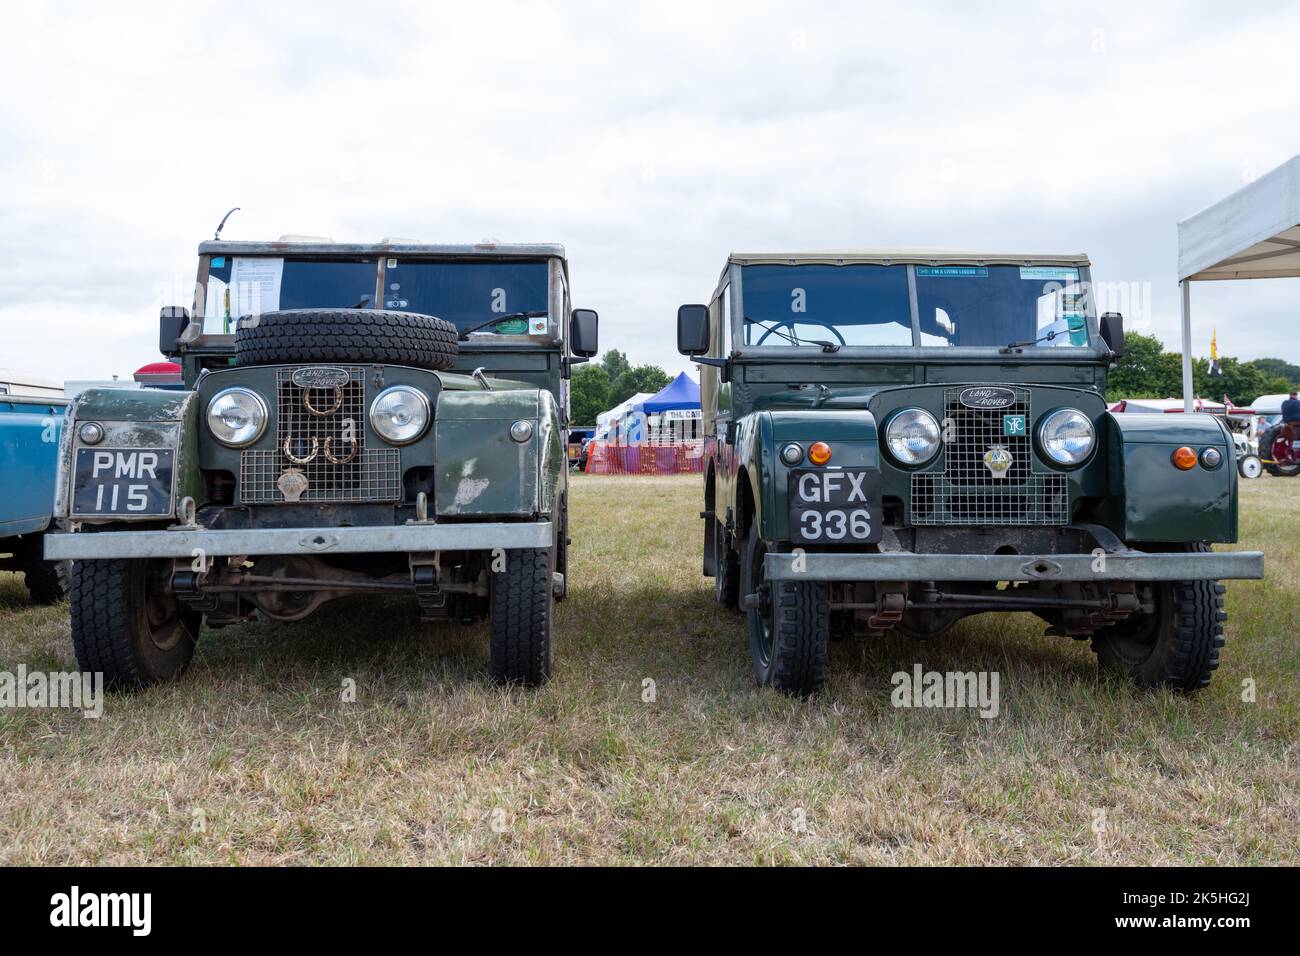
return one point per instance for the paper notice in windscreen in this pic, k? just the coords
(255, 285)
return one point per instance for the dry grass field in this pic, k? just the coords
(253, 757)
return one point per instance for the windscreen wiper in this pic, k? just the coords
(1032, 342)
(793, 337)
(501, 318)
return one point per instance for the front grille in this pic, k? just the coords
(967, 493)
(321, 443)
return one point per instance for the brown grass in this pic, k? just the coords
(252, 758)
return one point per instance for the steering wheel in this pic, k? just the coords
(791, 323)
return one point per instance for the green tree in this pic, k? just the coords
(1278, 368)
(1146, 370)
(588, 395)
(642, 378)
(614, 363)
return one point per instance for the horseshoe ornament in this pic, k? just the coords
(315, 447)
(322, 412)
(332, 458)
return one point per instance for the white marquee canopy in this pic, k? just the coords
(1252, 234)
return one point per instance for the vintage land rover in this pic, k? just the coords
(359, 419)
(896, 440)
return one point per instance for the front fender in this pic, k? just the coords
(481, 470)
(851, 433)
(1150, 499)
(133, 418)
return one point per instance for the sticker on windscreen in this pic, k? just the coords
(951, 272)
(1049, 273)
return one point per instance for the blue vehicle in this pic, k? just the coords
(31, 419)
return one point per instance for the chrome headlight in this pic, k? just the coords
(1066, 436)
(912, 436)
(237, 417)
(399, 415)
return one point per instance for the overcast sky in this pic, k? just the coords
(650, 140)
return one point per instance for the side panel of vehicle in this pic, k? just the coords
(29, 444)
(1150, 499)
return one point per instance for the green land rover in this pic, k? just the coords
(356, 419)
(899, 439)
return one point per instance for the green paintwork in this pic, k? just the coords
(1154, 501)
(482, 471)
(135, 418)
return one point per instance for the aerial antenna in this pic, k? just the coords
(217, 235)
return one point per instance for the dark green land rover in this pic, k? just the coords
(383, 418)
(899, 439)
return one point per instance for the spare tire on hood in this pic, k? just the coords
(346, 335)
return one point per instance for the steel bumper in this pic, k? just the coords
(1116, 566)
(184, 542)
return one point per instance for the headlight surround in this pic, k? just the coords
(1066, 437)
(400, 414)
(237, 417)
(912, 436)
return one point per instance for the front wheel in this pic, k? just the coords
(47, 581)
(788, 624)
(127, 623)
(1177, 645)
(523, 605)
(726, 579)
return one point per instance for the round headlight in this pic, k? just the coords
(1066, 436)
(400, 414)
(521, 431)
(912, 436)
(237, 417)
(1211, 458)
(792, 453)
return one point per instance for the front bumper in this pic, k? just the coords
(185, 542)
(1116, 566)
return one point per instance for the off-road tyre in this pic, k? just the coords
(522, 613)
(726, 578)
(789, 628)
(1178, 645)
(47, 581)
(127, 626)
(347, 336)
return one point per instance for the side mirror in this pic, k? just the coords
(693, 329)
(1112, 332)
(172, 321)
(582, 332)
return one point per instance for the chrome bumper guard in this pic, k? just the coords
(1117, 566)
(185, 541)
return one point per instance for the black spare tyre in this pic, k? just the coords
(346, 335)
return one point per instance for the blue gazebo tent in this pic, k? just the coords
(681, 394)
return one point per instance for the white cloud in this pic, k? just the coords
(650, 140)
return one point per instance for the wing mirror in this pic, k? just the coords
(693, 336)
(582, 332)
(172, 321)
(1112, 332)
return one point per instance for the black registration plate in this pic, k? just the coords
(133, 482)
(835, 506)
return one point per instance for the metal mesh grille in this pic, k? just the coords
(320, 437)
(968, 492)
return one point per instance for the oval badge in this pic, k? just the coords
(320, 376)
(987, 396)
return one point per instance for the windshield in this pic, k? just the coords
(470, 294)
(869, 305)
